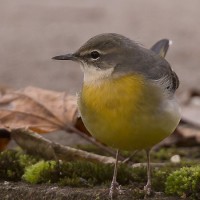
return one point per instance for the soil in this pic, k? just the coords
(23, 191)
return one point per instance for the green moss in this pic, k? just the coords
(184, 182)
(73, 182)
(160, 155)
(164, 154)
(159, 177)
(13, 163)
(81, 173)
(41, 172)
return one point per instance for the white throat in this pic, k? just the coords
(94, 75)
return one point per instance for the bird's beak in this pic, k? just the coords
(66, 57)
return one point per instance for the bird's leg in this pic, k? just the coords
(147, 188)
(114, 188)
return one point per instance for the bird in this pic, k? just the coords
(127, 99)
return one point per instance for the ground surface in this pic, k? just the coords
(23, 191)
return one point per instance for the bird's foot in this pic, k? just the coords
(115, 190)
(147, 190)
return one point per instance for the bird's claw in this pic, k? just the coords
(147, 190)
(115, 189)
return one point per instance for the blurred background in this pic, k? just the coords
(31, 32)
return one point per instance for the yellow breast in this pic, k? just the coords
(124, 113)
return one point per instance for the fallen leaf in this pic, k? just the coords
(37, 109)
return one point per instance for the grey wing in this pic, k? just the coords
(151, 64)
(161, 47)
(175, 81)
(163, 74)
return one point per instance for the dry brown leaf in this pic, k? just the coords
(38, 109)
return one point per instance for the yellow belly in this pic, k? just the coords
(125, 113)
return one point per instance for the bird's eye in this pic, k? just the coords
(95, 55)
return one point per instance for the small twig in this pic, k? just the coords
(36, 144)
(93, 141)
(138, 165)
(129, 158)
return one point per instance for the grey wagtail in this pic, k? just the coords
(127, 98)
